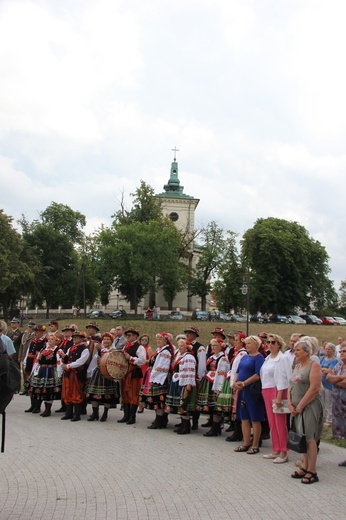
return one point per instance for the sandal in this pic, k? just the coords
(252, 451)
(240, 449)
(311, 479)
(297, 474)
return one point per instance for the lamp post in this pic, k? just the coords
(117, 295)
(245, 289)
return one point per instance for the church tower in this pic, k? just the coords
(181, 210)
(180, 207)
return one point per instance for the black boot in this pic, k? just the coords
(37, 408)
(237, 435)
(164, 420)
(186, 427)
(195, 417)
(104, 415)
(157, 424)
(83, 410)
(214, 431)
(132, 418)
(77, 412)
(32, 407)
(47, 408)
(208, 424)
(231, 427)
(179, 426)
(68, 412)
(126, 414)
(62, 409)
(95, 415)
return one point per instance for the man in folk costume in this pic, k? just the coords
(131, 383)
(199, 351)
(53, 327)
(27, 337)
(93, 336)
(36, 345)
(64, 345)
(74, 375)
(15, 334)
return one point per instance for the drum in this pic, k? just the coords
(114, 365)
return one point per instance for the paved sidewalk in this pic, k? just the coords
(58, 470)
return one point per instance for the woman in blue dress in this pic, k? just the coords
(250, 405)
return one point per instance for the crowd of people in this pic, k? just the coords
(254, 384)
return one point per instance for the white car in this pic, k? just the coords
(341, 321)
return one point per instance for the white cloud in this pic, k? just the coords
(94, 94)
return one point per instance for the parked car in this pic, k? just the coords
(200, 316)
(340, 320)
(260, 318)
(328, 320)
(225, 317)
(176, 315)
(97, 315)
(120, 313)
(311, 319)
(279, 318)
(240, 318)
(296, 320)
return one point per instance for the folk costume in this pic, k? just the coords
(66, 343)
(200, 354)
(174, 391)
(36, 345)
(156, 381)
(44, 382)
(131, 383)
(217, 368)
(187, 386)
(16, 336)
(101, 390)
(74, 376)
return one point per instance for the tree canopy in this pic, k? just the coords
(288, 267)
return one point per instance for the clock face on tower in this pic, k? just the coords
(173, 216)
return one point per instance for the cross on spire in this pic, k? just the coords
(175, 150)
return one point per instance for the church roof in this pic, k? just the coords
(173, 190)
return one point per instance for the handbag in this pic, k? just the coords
(256, 389)
(297, 441)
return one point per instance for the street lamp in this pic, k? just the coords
(245, 289)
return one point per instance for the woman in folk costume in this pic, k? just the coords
(44, 382)
(172, 402)
(131, 383)
(225, 403)
(64, 345)
(36, 344)
(74, 375)
(144, 341)
(187, 386)
(156, 380)
(101, 390)
(217, 368)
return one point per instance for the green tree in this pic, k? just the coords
(64, 220)
(288, 267)
(54, 240)
(230, 277)
(17, 266)
(209, 259)
(145, 207)
(139, 257)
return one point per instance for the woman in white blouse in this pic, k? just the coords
(156, 380)
(275, 374)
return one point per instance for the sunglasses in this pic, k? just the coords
(271, 342)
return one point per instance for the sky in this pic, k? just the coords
(95, 94)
